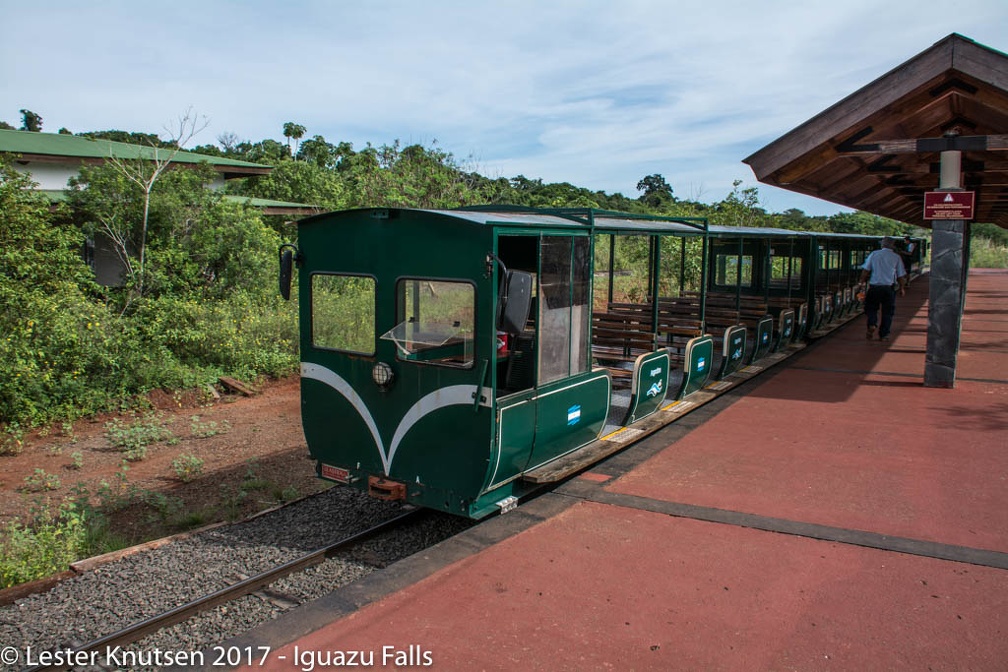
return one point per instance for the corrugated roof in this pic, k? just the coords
(596, 221)
(73, 146)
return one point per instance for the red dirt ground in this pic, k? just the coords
(252, 449)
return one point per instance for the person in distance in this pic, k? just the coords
(883, 271)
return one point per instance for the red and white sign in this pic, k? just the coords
(948, 204)
(335, 473)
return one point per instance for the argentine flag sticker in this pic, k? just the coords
(574, 415)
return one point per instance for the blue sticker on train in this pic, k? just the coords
(574, 415)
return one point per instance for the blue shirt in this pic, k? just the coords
(885, 266)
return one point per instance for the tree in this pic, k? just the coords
(267, 151)
(295, 131)
(129, 137)
(30, 121)
(319, 152)
(864, 223)
(740, 208)
(229, 141)
(298, 182)
(657, 192)
(146, 173)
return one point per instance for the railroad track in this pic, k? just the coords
(137, 631)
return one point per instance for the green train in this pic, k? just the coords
(460, 359)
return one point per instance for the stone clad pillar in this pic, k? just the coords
(947, 284)
(945, 304)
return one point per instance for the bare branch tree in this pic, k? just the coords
(144, 173)
(229, 140)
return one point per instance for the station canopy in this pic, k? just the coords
(878, 150)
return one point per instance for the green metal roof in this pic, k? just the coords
(73, 146)
(273, 206)
(269, 205)
(596, 221)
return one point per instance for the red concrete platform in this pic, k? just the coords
(839, 516)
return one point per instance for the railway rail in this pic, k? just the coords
(137, 631)
(291, 556)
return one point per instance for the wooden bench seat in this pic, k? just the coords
(626, 331)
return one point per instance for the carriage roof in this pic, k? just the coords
(587, 220)
(584, 219)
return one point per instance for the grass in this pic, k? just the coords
(86, 523)
(985, 253)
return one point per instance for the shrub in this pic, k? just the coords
(187, 467)
(42, 481)
(986, 253)
(29, 552)
(132, 439)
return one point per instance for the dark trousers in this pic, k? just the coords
(884, 297)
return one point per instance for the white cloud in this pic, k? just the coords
(594, 93)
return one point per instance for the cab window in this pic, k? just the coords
(343, 312)
(435, 322)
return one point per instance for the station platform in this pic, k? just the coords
(831, 514)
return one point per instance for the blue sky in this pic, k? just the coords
(594, 93)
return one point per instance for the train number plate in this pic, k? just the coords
(335, 473)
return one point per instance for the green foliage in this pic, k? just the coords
(298, 182)
(187, 467)
(657, 192)
(245, 336)
(202, 429)
(267, 152)
(323, 154)
(42, 481)
(986, 253)
(11, 442)
(294, 131)
(130, 137)
(132, 439)
(30, 121)
(411, 176)
(992, 232)
(45, 547)
(866, 224)
(47, 324)
(210, 308)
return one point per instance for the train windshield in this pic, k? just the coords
(435, 322)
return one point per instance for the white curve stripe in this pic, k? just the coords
(336, 382)
(446, 396)
(453, 395)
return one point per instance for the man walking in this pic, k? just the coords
(882, 270)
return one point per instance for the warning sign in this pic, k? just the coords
(948, 204)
